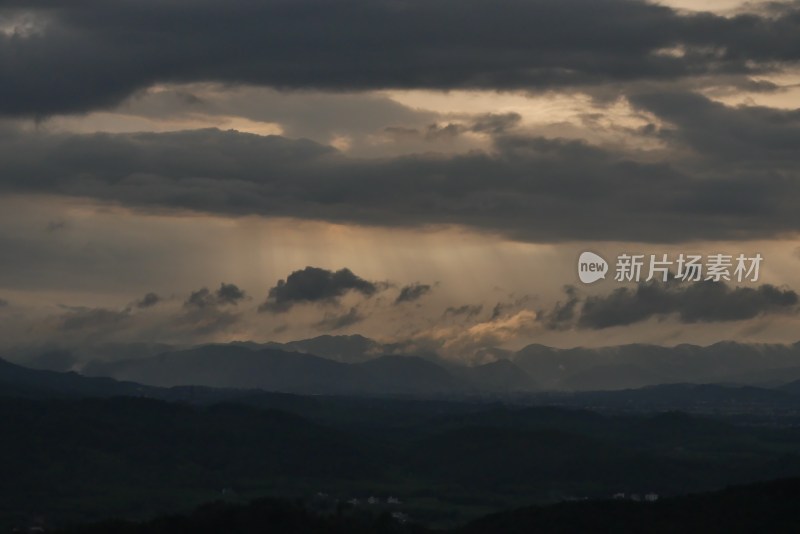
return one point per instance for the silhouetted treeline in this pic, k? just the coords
(767, 507)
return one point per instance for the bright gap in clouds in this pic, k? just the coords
(369, 124)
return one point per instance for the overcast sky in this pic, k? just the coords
(427, 171)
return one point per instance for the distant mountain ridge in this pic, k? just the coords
(637, 365)
(19, 381)
(295, 367)
(236, 366)
(385, 377)
(345, 365)
(343, 349)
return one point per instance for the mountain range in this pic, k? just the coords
(272, 369)
(359, 365)
(355, 364)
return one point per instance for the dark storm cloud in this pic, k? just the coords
(466, 310)
(87, 54)
(741, 179)
(93, 319)
(412, 292)
(313, 284)
(208, 312)
(226, 294)
(229, 294)
(204, 321)
(199, 299)
(56, 226)
(700, 302)
(495, 123)
(564, 312)
(510, 307)
(337, 322)
(726, 134)
(148, 301)
(497, 311)
(488, 123)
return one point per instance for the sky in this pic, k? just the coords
(419, 172)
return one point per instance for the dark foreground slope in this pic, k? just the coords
(765, 507)
(261, 516)
(77, 460)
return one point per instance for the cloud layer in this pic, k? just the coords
(553, 122)
(88, 54)
(699, 302)
(724, 173)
